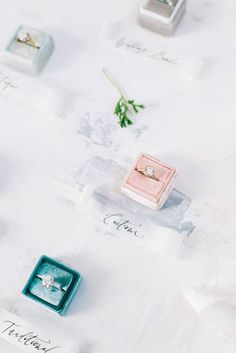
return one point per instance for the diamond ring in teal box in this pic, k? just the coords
(28, 50)
(52, 284)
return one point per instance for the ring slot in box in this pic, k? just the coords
(28, 50)
(149, 182)
(52, 284)
(162, 16)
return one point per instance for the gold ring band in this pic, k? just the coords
(25, 38)
(148, 171)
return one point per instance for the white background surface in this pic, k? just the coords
(135, 304)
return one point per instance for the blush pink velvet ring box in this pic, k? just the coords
(149, 181)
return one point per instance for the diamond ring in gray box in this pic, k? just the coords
(52, 285)
(149, 181)
(28, 50)
(162, 16)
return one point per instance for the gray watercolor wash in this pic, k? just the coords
(174, 211)
(98, 126)
(3, 228)
(172, 215)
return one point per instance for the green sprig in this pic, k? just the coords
(124, 106)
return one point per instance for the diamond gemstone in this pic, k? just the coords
(24, 37)
(48, 281)
(149, 171)
(169, 2)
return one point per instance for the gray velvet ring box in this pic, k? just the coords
(161, 16)
(29, 54)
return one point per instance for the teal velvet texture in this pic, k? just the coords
(54, 298)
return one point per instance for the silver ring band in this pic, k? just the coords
(169, 2)
(49, 282)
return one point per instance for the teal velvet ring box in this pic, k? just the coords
(28, 50)
(52, 284)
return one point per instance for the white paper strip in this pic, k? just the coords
(127, 40)
(27, 338)
(31, 93)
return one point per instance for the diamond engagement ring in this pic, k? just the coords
(171, 3)
(49, 282)
(25, 37)
(148, 171)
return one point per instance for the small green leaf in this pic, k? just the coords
(141, 106)
(129, 122)
(135, 108)
(117, 109)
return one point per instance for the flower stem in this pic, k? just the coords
(113, 83)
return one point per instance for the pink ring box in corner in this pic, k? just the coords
(151, 192)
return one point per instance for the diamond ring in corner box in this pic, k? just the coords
(52, 284)
(28, 50)
(149, 182)
(162, 16)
